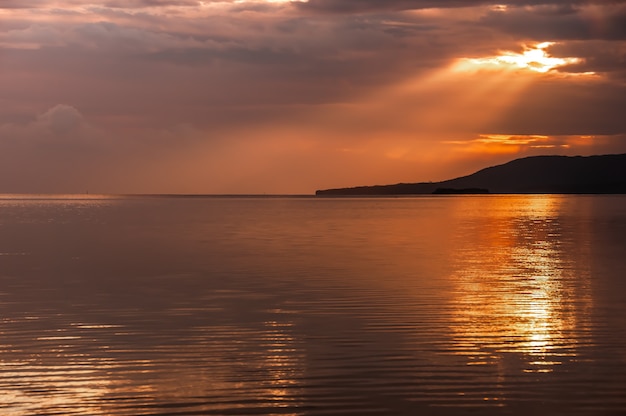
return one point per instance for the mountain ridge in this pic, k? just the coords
(598, 174)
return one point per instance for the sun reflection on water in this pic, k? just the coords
(378, 306)
(282, 362)
(222, 368)
(517, 292)
(78, 387)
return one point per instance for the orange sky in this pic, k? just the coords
(186, 96)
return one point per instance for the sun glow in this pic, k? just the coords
(535, 58)
(516, 143)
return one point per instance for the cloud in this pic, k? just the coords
(59, 124)
(134, 4)
(603, 57)
(31, 37)
(368, 6)
(23, 4)
(566, 107)
(585, 22)
(131, 4)
(225, 96)
(61, 119)
(53, 150)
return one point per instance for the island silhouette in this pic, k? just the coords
(600, 174)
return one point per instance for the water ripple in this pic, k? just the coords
(436, 306)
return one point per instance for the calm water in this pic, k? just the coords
(303, 306)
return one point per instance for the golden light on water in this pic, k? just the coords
(282, 362)
(78, 381)
(515, 301)
(272, 357)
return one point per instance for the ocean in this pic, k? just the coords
(430, 305)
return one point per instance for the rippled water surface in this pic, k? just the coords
(306, 306)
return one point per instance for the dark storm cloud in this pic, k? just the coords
(365, 86)
(599, 56)
(364, 6)
(301, 58)
(594, 34)
(128, 4)
(133, 4)
(557, 23)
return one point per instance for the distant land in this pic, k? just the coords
(602, 174)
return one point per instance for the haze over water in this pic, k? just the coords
(308, 306)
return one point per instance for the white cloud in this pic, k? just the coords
(61, 119)
(31, 37)
(60, 124)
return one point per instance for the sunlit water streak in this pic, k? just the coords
(305, 306)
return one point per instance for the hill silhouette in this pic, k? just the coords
(602, 174)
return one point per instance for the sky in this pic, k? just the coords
(287, 97)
